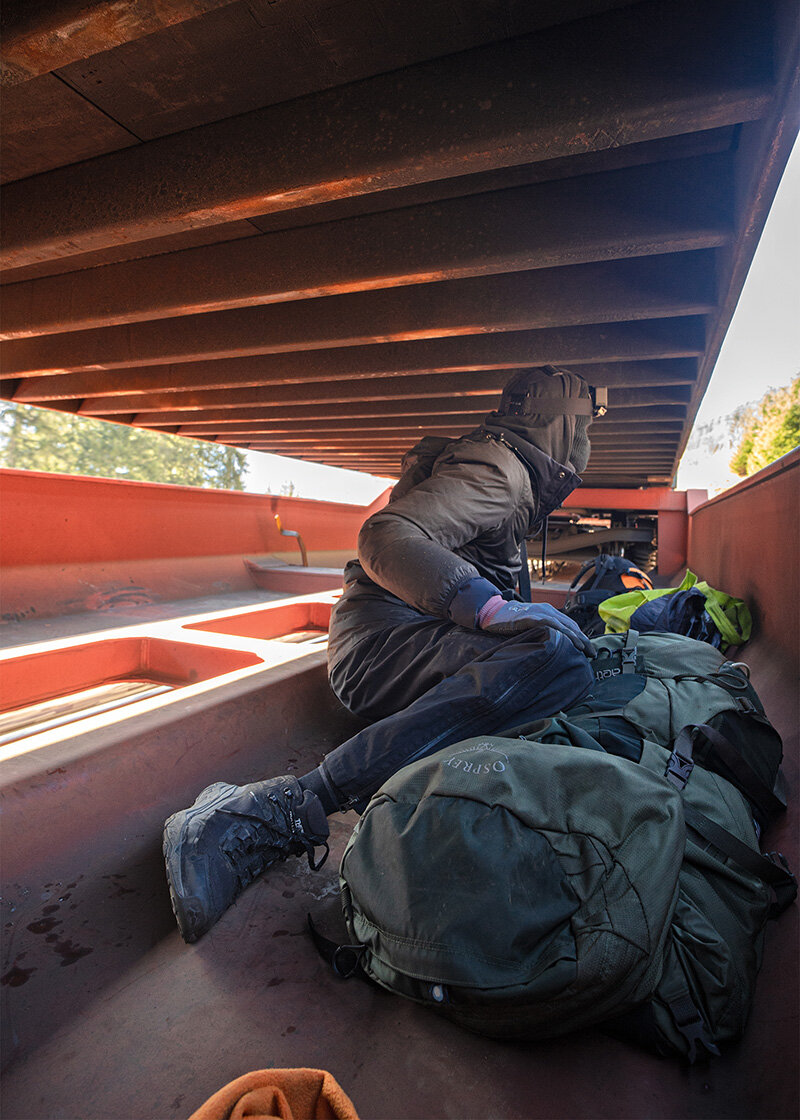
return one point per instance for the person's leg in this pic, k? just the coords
(233, 833)
(392, 667)
(383, 655)
(538, 672)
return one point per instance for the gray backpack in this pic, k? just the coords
(535, 883)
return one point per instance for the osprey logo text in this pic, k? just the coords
(604, 674)
(479, 764)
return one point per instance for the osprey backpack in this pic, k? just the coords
(602, 866)
(599, 579)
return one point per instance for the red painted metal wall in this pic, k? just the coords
(746, 542)
(71, 543)
(83, 520)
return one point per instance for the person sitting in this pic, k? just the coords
(429, 641)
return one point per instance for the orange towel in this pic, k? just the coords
(279, 1094)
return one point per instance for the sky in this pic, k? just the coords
(761, 351)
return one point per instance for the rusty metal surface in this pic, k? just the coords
(39, 37)
(608, 217)
(496, 106)
(461, 365)
(70, 128)
(321, 214)
(312, 46)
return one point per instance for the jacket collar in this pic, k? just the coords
(551, 481)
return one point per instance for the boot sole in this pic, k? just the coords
(173, 841)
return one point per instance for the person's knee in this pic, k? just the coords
(573, 670)
(341, 682)
(558, 661)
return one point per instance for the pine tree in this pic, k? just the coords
(46, 440)
(766, 430)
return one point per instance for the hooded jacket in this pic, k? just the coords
(450, 537)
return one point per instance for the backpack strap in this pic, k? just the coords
(691, 1025)
(524, 578)
(345, 960)
(681, 761)
(628, 651)
(685, 754)
(768, 801)
(584, 569)
(771, 868)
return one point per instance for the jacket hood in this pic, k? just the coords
(549, 409)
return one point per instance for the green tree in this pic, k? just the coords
(764, 431)
(46, 440)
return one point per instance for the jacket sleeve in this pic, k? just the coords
(408, 547)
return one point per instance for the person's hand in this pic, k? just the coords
(502, 618)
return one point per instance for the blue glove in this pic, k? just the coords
(504, 619)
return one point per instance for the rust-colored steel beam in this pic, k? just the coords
(506, 104)
(633, 213)
(642, 425)
(348, 440)
(38, 37)
(636, 446)
(320, 376)
(343, 426)
(238, 419)
(628, 291)
(366, 406)
(375, 452)
(504, 178)
(349, 429)
(609, 159)
(243, 333)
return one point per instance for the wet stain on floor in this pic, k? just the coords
(16, 977)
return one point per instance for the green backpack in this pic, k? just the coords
(525, 888)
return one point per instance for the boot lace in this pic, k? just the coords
(252, 844)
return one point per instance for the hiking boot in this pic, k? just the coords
(231, 834)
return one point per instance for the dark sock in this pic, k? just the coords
(316, 783)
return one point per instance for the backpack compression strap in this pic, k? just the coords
(720, 749)
(771, 868)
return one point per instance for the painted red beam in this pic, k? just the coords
(632, 213)
(507, 104)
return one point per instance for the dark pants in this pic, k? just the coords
(429, 683)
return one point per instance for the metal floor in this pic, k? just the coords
(116, 1019)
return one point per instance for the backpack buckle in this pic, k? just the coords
(785, 890)
(692, 1027)
(629, 650)
(679, 769)
(681, 762)
(743, 704)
